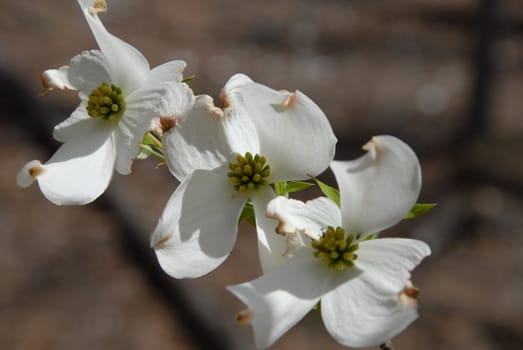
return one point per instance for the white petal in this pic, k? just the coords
(239, 130)
(177, 104)
(310, 217)
(56, 79)
(379, 188)
(369, 310)
(141, 107)
(72, 126)
(198, 226)
(29, 172)
(392, 257)
(198, 142)
(169, 71)
(87, 71)
(271, 246)
(93, 6)
(127, 66)
(81, 169)
(279, 299)
(295, 135)
(236, 81)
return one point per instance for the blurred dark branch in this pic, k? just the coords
(465, 19)
(490, 160)
(481, 85)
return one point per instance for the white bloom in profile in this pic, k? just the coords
(223, 157)
(363, 284)
(120, 97)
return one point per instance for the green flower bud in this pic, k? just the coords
(336, 249)
(106, 102)
(249, 173)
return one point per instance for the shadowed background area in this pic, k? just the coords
(445, 76)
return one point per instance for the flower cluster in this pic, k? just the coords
(238, 161)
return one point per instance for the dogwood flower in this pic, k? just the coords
(120, 97)
(226, 156)
(363, 284)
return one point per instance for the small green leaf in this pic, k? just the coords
(247, 214)
(370, 237)
(330, 192)
(281, 188)
(188, 79)
(419, 209)
(295, 186)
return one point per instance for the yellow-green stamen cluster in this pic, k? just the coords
(106, 102)
(336, 249)
(249, 172)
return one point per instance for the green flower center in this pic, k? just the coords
(249, 173)
(336, 249)
(106, 102)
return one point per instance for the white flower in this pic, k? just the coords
(226, 156)
(363, 284)
(120, 96)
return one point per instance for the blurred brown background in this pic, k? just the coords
(444, 75)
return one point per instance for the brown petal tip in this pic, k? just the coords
(409, 294)
(244, 317)
(98, 6)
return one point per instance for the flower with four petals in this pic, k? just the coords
(226, 156)
(363, 284)
(120, 98)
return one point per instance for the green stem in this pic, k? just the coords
(156, 140)
(151, 151)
